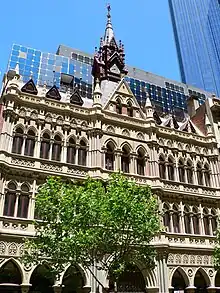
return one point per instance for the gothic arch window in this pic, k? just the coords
(118, 107)
(71, 151)
(206, 222)
(207, 175)
(129, 109)
(109, 156)
(82, 155)
(10, 277)
(18, 141)
(73, 280)
(200, 283)
(57, 148)
(187, 221)
(45, 146)
(125, 159)
(199, 173)
(189, 172)
(213, 221)
(140, 162)
(170, 167)
(29, 143)
(176, 220)
(178, 282)
(16, 202)
(181, 171)
(162, 167)
(166, 218)
(195, 218)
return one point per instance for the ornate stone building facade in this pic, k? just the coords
(46, 132)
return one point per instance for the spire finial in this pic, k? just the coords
(109, 10)
(109, 34)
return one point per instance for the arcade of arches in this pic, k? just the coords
(73, 281)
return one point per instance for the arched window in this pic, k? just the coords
(30, 144)
(178, 282)
(140, 162)
(195, 218)
(18, 141)
(45, 146)
(16, 203)
(56, 148)
(82, 153)
(199, 174)
(214, 221)
(176, 220)
(125, 159)
(129, 109)
(109, 157)
(118, 107)
(187, 220)
(71, 151)
(181, 171)
(189, 172)
(23, 202)
(166, 217)
(162, 168)
(10, 200)
(207, 175)
(206, 222)
(170, 169)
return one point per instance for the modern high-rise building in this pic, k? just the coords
(196, 25)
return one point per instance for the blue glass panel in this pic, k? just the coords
(23, 49)
(51, 61)
(14, 58)
(15, 53)
(22, 60)
(12, 65)
(37, 53)
(16, 47)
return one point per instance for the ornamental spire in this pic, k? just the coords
(109, 33)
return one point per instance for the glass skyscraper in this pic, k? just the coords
(196, 25)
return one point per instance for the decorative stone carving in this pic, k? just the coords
(190, 272)
(22, 162)
(51, 167)
(2, 248)
(76, 171)
(12, 249)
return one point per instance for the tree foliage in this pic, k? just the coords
(91, 221)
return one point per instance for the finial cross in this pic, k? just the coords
(108, 8)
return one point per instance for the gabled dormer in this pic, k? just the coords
(30, 88)
(76, 98)
(53, 93)
(123, 101)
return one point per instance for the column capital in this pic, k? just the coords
(25, 288)
(190, 289)
(211, 289)
(58, 288)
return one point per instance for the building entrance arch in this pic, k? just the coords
(131, 280)
(10, 278)
(42, 280)
(178, 282)
(200, 283)
(73, 281)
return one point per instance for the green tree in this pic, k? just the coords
(88, 221)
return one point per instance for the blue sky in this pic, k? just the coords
(144, 26)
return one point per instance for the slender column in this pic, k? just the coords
(210, 225)
(191, 224)
(201, 223)
(51, 148)
(16, 204)
(171, 222)
(23, 145)
(77, 155)
(2, 199)
(182, 226)
(64, 148)
(38, 143)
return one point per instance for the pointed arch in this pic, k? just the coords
(162, 166)
(125, 157)
(180, 272)
(79, 270)
(201, 272)
(109, 154)
(82, 152)
(18, 139)
(41, 279)
(170, 168)
(16, 275)
(111, 141)
(126, 145)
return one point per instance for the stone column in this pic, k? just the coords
(163, 272)
(38, 143)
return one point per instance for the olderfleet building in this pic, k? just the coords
(196, 26)
(70, 67)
